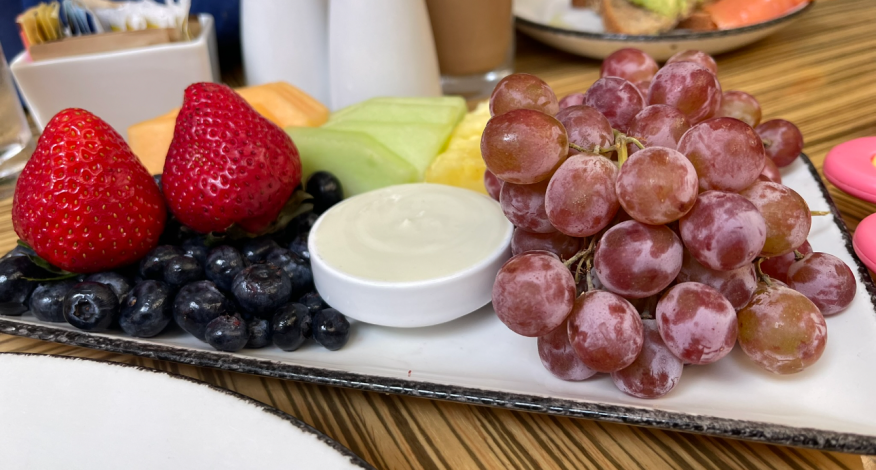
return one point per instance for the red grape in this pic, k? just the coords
(697, 57)
(523, 205)
(493, 184)
(691, 88)
(726, 152)
(659, 125)
(524, 146)
(740, 105)
(770, 172)
(636, 260)
(580, 199)
(697, 323)
(736, 285)
(786, 214)
(825, 280)
(605, 331)
(558, 356)
(723, 231)
(533, 293)
(655, 371)
(523, 91)
(782, 141)
(572, 99)
(557, 243)
(586, 127)
(781, 330)
(657, 185)
(617, 99)
(631, 64)
(776, 267)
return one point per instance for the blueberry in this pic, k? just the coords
(298, 245)
(148, 309)
(325, 189)
(301, 223)
(157, 179)
(259, 333)
(291, 326)
(19, 251)
(15, 289)
(313, 301)
(90, 306)
(47, 300)
(256, 249)
(197, 304)
(296, 268)
(331, 329)
(262, 288)
(223, 263)
(227, 333)
(115, 281)
(182, 270)
(304, 222)
(196, 248)
(152, 266)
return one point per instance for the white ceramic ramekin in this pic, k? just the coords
(408, 304)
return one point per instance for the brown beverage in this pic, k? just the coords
(471, 36)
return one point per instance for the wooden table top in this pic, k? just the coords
(817, 73)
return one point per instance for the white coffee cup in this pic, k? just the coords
(380, 48)
(286, 40)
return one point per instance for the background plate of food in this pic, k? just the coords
(596, 28)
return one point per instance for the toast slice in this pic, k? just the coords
(622, 17)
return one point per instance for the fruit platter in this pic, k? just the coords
(645, 252)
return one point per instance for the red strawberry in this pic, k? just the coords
(84, 202)
(227, 164)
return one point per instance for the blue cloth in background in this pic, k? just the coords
(225, 12)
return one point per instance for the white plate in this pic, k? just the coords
(580, 31)
(476, 359)
(61, 412)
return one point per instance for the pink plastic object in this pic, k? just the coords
(850, 167)
(865, 241)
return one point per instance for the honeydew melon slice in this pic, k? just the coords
(418, 144)
(442, 110)
(355, 158)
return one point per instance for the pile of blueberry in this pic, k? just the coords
(232, 294)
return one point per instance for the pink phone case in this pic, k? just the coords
(850, 167)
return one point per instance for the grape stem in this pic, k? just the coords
(589, 276)
(819, 213)
(583, 253)
(767, 143)
(797, 255)
(760, 274)
(621, 141)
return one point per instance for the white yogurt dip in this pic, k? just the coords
(411, 232)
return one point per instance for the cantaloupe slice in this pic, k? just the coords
(356, 159)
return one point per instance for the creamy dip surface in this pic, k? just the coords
(411, 232)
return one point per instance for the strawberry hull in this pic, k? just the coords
(227, 164)
(84, 202)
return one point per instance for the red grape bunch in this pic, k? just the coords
(652, 228)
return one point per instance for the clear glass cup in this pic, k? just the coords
(475, 44)
(16, 140)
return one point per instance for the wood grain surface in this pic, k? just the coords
(818, 73)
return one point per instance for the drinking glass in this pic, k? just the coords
(475, 44)
(16, 140)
